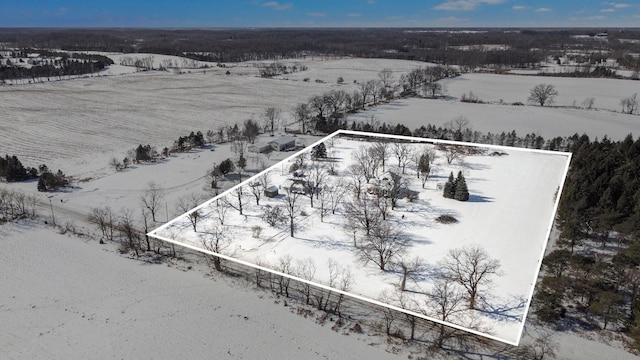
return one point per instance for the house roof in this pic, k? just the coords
(284, 140)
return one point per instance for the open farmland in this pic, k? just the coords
(78, 125)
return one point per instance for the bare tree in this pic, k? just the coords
(302, 114)
(411, 268)
(257, 189)
(306, 270)
(457, 127)
(472, 268)
(366, 89)
(367, 160)
(424, 167)
(381, 150)
(151, 199)
(630, 104)
(403, 152)
(336, 192)
(292, 208)
(186, 203)
(396, 186)
(433, 89)
(285, 266)
(251, 130)
(103, 218)
(452, 152)
(443, 302)
(384, 243)
(388, 315)
(363, 215)
(130, 237)
(318, 105)
(542, 94)
(238, 194)
(220, 208)
(357, 179)
(216, 239)
(271, 116)
(315, 180)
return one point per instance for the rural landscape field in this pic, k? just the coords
(105, 143)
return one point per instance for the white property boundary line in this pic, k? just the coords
(154, 234)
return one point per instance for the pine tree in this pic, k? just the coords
(462, 192)
(449, 187)
(319, 152)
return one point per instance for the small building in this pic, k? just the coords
(284, 143)
(271, 191)
(260, 148)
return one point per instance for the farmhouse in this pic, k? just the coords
(283, 144)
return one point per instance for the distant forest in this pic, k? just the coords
(523, 47)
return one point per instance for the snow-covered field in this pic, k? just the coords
(515, 88)
(544, 121)
(509, 215)
(78, 125)
(67, 298)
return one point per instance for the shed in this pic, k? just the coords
(271, 191)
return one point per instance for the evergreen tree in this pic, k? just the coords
(449, 187)
(319, 152)
(462, 192)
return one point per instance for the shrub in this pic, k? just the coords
(256, 230)
(273, 215)
(446, 219)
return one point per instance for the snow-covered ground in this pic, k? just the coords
(545, 121)
(67, 298)
(78, 125)
(515, 88)
(509, 215)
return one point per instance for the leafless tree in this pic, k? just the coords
(129, 235)
(384, 205)
(363, 215)
(316, 178)
(403, 152)
(411, 268)
(318, 105)
(292, 208)
(386, 78)
(188, 202)
(381, 150)
(472, 268)
(237, 203)
(357, 179)
(306, 270)
(220, 207)
(251, 130)
(285, 266)
(382, 245)
(145, 230)
(367, 160)
(630, 104)
(542, 346)
(388, 315)
(366, 89)
(271, 116)
(216, 239)
(397, 185)
(433, 89)
(302, 114)
(542, 94)
(452, 152)
(103, 218)
(151, 199)
(336, 191)
(444, 303)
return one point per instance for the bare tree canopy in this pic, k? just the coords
(543, 94)
(472, 268)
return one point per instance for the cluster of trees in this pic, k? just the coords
(49, 181)
(594, 275)
(326, 112)
(456, 188)
(16, 205)
(276, 68)
(52, 65)
(12, 170)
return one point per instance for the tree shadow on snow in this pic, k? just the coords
(479, 198)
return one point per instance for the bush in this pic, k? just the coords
(273, 215)
(256, 230)
(446, 219)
